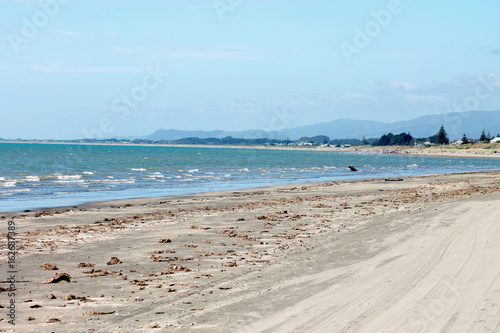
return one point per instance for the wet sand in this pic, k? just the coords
(418, 254)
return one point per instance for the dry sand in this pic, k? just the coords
(413, 255)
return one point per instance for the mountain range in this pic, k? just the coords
(456, 124)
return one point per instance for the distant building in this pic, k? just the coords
(495, 140)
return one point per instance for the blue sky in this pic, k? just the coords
(101, 68)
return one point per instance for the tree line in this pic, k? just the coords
(440, 138)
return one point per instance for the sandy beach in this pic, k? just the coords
(418, 254)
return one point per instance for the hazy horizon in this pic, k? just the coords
(74, 69)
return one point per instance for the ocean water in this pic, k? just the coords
(51, 175)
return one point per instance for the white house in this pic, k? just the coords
(495, 140)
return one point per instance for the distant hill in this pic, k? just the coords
(341, 128)
(173, 134)
(456, 124)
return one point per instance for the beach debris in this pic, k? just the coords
(49, 267)
(58, 277)
(268, 217)
(139, 283)
(322, 206)
(83, 264)
(199, 227)
(51, 296)
(101, 272)
(71, 297)
(164, 240)
(53, 320)
(161, 251)
(230, 264)
(80, 298)
(35, 306)
(229, 232)
(177, 268)
(394, 179)
(114, 261)
(30, 318)
(157, 258)
(97, 313)
(155, 326)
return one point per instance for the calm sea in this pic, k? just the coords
(50, 175)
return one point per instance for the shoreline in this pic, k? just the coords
(395, 150)
(268, 188)
(303, 257)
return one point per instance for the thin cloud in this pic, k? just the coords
(83, 69)
(426, 98)
(437, 94)
(82, 33)
(400, 85)
(223, 54)
(233, 53)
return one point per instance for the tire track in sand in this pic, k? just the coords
(423, 294)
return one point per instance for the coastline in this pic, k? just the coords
(262, 259)
(351, 155)
(471, 151)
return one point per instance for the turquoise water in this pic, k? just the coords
(50, 175)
